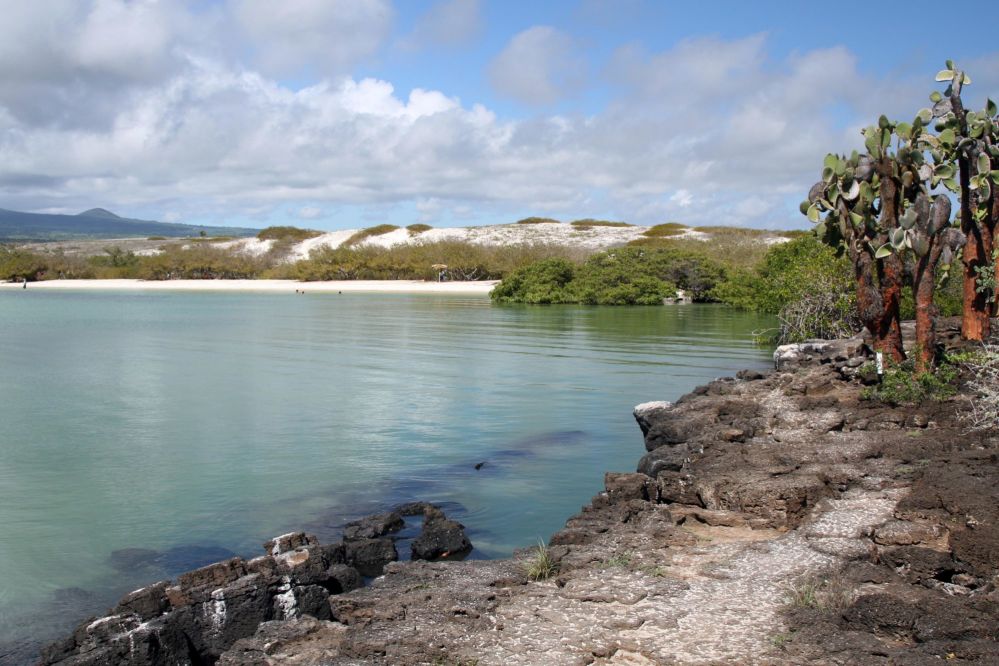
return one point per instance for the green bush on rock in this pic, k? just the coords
(624, 276)
(546, 281)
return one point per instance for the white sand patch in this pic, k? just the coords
(333, 239)
(776, 240)
(595, 238)
(437, 235)
(391, 239)
(693, 234)
(251, 246)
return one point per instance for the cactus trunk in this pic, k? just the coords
(926, 312)
(977, 307)
(886, 327)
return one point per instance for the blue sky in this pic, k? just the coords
(339, 114)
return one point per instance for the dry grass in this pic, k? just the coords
(287, 234)
(588, 223)
(665, 230)
(983, 366)
(540, 565)
(414, 261)
(821, 593)
(738, 252)
(368, 233)
(416, 229)
(750, 233)
(538, 220)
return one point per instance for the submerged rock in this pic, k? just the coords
(369, 556)
(440, 538)
(374, 526)
(209, 609)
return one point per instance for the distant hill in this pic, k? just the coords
(98, 223)
(99, 212)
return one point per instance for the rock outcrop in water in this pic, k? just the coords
(776, 518)
(195, 619)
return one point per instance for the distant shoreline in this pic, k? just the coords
(270, 286)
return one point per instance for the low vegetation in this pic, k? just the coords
(288, 234)
(746, 232)
(193, 261)
(666, 230)
(624, 276)
(538, 220)
(540, 564)
(464, 261)
(416, 229)
(588, 223)
(820, 593)
(903, 385)
(17, 264)
(983, 368)
(370, 232)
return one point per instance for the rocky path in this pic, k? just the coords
(721, 600)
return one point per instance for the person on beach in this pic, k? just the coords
(24, 285)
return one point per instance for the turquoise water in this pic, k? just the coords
(203, 423)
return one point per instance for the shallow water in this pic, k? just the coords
(172, 428)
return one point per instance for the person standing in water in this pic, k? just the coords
(24, 285)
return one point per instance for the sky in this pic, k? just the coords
(337, 114)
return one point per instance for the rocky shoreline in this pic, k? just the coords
(776, 518)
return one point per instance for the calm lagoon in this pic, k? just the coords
(144, 433)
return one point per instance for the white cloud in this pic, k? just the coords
(447, 23)
(710, 131)
(682, 198)
(540, 65)
(328, 36)
(73, 63)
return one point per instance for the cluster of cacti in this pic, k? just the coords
(888, 209)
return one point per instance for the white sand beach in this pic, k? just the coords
(274, 286)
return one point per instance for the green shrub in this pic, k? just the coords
(377, 230)
(623, 276)
(415, 229)
(545, 281)
(115, 263)
(17, 264)
(538, 220)
(948, 299)
(156, 238)
(199, 262)
(901, 385)
(797, 269)
(292, 234)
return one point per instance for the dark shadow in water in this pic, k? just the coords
(55, 617)
(175, 560)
